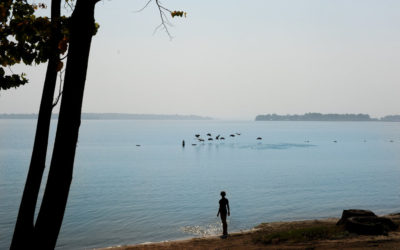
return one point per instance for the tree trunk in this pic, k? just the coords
(51, 212)
(24, 227)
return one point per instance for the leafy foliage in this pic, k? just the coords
(178, 13)
(25, 38)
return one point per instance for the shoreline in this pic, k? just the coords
(179, 240)
(250, 239)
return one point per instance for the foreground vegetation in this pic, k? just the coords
(311, 234)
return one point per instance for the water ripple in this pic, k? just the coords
(261, 146)
(207, 230)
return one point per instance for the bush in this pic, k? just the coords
(301, 234)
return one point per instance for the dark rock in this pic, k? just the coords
(366, 222)
(354, 213)
(388, 223)
(365, 225)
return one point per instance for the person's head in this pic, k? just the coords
(223, 193)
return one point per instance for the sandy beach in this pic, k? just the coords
(314, 234)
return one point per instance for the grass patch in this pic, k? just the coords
(320, 232)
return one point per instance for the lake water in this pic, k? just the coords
(125, 194)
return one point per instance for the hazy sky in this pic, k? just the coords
(237, 59)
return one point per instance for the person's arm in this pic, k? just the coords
(229, 211)
(219, 208)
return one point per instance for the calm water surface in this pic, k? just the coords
(125, 194)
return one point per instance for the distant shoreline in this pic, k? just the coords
(267, 117)
(113, 116)
(327, 117)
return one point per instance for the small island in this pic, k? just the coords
(326, 117)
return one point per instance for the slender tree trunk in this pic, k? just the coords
(24, 227)
(51, 212)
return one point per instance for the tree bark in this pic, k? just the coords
(24, 227)
(52, 209)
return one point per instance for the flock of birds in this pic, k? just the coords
(209, 137)
(221, 138)
(217, 138)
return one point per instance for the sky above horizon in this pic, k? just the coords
(237, 59)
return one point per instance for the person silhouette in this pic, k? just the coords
(223, 211)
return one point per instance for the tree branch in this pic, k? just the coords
(164, 19)
(144, 7)
(70, 5)
(62, 58)
(59, 91)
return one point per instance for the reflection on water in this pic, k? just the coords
(261, 146)
(206, 230)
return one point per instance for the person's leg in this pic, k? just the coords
(224, 224)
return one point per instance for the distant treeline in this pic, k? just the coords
(391, 118)
(326, 117)
(113, 116)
